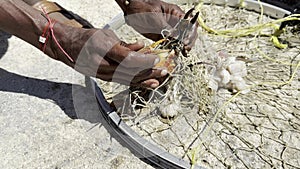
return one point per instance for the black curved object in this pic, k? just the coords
(140, 147)
(290, 5)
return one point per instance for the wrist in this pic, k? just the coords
(60, 43)
(66, 42)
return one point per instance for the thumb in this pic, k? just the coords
(136, 46)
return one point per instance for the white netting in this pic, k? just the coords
(225, 128)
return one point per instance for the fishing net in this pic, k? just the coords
(234, 102)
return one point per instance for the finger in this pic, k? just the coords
(150, 74)
(136, 46)
(129, 79)
(90, 64)
(111, 67)
(131, 59)
(174, 13)
(119, 70)
(151, 83)
(140, 76)
(140, 60)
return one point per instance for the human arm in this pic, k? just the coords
(96, 52)
(150, 17)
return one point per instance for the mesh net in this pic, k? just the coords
(223, 128)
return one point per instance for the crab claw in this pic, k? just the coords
(167, 57)
(188, 13)
(194, 19)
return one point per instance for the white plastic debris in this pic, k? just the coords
(229, 73)
(171, 107)
(169, 110)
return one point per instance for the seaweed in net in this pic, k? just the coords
(243, 135)
(219, 128)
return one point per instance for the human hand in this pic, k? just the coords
(93, 52)
(101, 54)
(150, 17)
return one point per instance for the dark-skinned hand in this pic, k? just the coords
(150, 17)
(101, 54)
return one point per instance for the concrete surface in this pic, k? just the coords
(39, 125)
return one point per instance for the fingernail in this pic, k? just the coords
(154, 85)
(164, 72)
(156, 61)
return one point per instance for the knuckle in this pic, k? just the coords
(106, 78)
(155, 9)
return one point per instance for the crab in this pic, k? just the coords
(168, 48)
(167, 56)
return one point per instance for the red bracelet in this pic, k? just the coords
(49, 30)
(43, 39)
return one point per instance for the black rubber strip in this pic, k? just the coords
(140, 147)
(289, 5)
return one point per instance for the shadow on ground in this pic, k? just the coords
(59, 93)
(3, 42)
(78, 102)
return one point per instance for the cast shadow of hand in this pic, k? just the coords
(3, 42)
(77, 102)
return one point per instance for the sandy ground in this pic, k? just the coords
(39, 125)
(48, 119)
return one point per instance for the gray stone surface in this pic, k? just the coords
(39, 100)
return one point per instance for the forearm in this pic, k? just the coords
(21, 20)
(27, 23)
